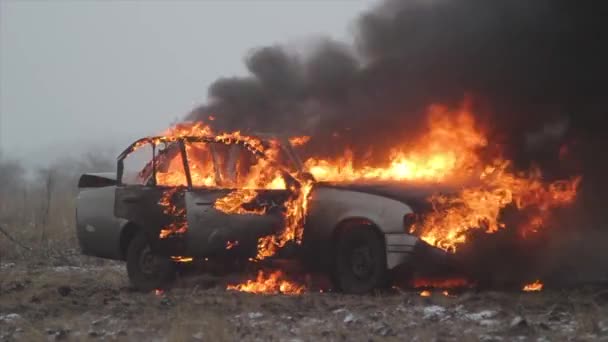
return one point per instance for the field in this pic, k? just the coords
(88, 300)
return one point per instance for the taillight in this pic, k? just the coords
(408, 222)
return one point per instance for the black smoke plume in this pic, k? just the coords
(536, 71)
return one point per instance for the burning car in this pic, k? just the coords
(198, 195)
(238, 197)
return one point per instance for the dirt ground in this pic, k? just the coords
(94, 302)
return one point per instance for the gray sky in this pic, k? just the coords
(96, 75)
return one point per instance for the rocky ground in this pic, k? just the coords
(95, 303)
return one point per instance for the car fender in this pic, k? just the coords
(329, 208)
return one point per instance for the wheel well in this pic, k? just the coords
(352, 223)
(127, 234)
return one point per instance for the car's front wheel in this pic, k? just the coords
(360, 261)
(146, 270)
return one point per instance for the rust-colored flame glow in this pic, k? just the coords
(536, 286)
(479, 207)
(273, 283)
(233, 202)
(179, 224)
(425, 293)
(231, 244)
(299, 141)
(295, 216)
(448, 283)
(263, 174)
(181, 259)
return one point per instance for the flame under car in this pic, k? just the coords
(202, 197)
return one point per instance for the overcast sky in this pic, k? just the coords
(95, 75)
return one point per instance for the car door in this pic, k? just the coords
(215, 231)
(144, 198)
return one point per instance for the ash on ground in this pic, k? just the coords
(95, 302)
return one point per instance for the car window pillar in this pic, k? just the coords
(182, 148)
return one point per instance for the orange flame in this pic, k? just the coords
(448, 283)
(295, 216)
(179, 224)
(448, 150)
(233, 202)
(425, 293)
(536, 286)
(299, 141)
(231, 244)
(448, 153)
(479, 207)
(181, 259)
(269, 284)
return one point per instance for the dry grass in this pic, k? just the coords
(98, 303)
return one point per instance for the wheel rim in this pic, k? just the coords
(362, 264)
(148, 262)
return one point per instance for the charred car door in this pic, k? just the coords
(230, 212)
(146, 204)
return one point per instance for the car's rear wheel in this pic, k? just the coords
(360, 261)
(147, 271)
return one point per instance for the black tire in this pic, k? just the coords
(360, 261)
(147, 271)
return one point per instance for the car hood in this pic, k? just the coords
(415, 195)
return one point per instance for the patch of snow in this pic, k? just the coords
(349, 318)
(433, 312)
(10, 318)
(309, 321)
(64, 269)
(517, 320)
(7, 265)
(254, 315)
(481, 315)
(488, 322)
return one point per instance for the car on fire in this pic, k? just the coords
(153, 217)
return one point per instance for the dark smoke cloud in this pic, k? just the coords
(524, 63)
(536, 71)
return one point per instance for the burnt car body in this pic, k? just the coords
(355, 232)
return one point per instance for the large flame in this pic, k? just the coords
(295, 215)
(450, 153)
(273, 283)
(447, 150)
(479, 207)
